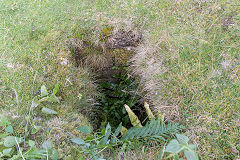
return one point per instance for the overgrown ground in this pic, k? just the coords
(188, 63)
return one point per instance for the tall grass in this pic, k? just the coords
(188, 64)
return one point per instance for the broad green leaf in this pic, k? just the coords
(54, 155)
(84, 129)
(173, 146)
(182, 138)
(44, 91)
(89, 138)
(38, 153)
(48, 111)
(149, 112)
(107, 134)
(53, 99)
(10, 141)
(103, 131)
(56, 89)
(118, 130)
(7, 152)
(31, 143)
(4, 121)
(78, 141)
(108, 130)
(104, 141)
(190, 155)
(47, 145)
(133, 118)
(9, 129)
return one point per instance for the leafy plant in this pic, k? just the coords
(21, 147)
(179, 145)
(45, 96)
(52, 98)
(16, 148)
(6, 125)
(156, 130)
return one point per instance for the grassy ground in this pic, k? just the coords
(34, 53)
(188, 64)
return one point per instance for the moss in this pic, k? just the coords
(121, 56)
(106, 31)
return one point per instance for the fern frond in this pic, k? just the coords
(148, 110)
(156, 128)
(133, 118)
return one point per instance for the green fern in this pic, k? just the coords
(153, 129)
(156, 129)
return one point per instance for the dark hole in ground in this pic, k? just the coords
(121, 90)
(109, 61)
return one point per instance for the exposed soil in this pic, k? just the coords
(124, 40)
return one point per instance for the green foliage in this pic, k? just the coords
(93, 146)
(18, 148)
(132, 116)
(149, 112)
(6, 125)
(154, 130)
(115, 95)
(179, 145)
(84, 129)
(45, 96)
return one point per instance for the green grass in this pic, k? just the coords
(33, 36)
(189, 60)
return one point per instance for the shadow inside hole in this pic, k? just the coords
(117, 92)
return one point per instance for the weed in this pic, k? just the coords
(94, 146)
(23, 147)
